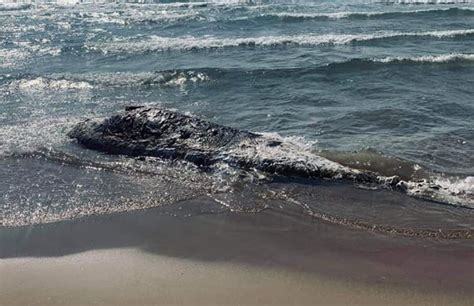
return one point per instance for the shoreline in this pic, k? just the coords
(301, 254)
(130, 277)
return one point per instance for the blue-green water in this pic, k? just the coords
(380, 85)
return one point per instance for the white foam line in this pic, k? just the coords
(442, 58)
(425, 1)
(44, 84)
(159, 43)
(342, 15)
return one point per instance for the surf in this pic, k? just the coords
(159, 43)
(142, 131)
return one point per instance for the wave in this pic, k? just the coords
(151, 17)
(451, 190)
(123, 3)
(45, 84)
(442, 58)
(181, 138)
(391, 173)
(445, 12)
(83, 82)
(438, 59)
(237, 190)
(178, 78)
(418, 181)
(179, 4)
(234, 195)
(14, 6)
(159, 43)
(144, 17)
(410, 2)
(374, 161)
(184, 77)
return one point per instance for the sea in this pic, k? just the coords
(384, 86)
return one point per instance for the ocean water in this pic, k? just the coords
(385, 86)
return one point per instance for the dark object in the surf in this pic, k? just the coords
(158, 132)
(142, 131)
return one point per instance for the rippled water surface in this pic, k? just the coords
(386, 86)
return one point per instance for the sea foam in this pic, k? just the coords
(441, 58)
(44, 84)
(362, 15)
(159, 43)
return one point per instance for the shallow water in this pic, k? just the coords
(381, 86)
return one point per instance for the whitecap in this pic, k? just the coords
(160, 43)
(441, 58)
(44, 84)
(344, 15)
(127, 79)
(14, 6)
(425, 1)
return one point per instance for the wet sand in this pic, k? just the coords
(151, 257)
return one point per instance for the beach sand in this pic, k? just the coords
(151, 257)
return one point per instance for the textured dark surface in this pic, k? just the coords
(150, 131)
(144, 131)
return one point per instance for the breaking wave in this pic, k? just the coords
(45, 84)
(14, 6)
(177, 78)
(432, 2)
(267, 154)
(439, 59)
(443, 58)
(445, 12)
(84, 82)
(228, 186)
(159, 43)
(146, 17)
(412, 178)
(451, 190)
(184, 77)
(416, 180)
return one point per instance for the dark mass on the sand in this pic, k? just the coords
(159, 132)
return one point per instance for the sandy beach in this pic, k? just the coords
(131, 277)
(150, 257)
